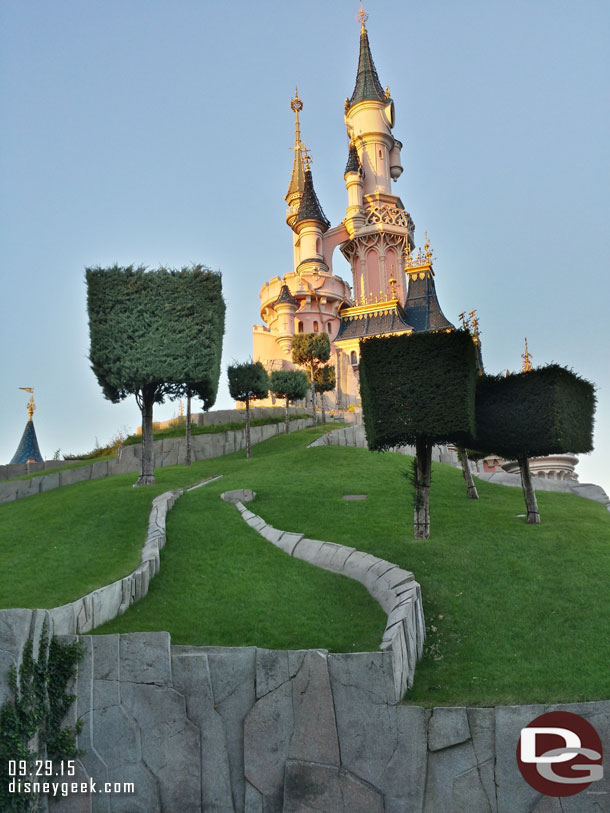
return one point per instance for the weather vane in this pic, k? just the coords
(362, 17)
(31, 405)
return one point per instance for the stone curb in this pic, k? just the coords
(393, 588)
(101, 605)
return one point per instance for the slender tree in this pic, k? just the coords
(310, 350)
(289, 384)
(152, 333)
(471, 489)
(325, 380)
(248, 381)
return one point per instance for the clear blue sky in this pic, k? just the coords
(159, 133)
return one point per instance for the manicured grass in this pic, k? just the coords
(515, 613)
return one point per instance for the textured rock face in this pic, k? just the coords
(219, 729)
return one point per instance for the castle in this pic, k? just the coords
(392, 291)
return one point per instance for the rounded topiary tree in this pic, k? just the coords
(289, 384)
(310, 350)
(248, 381)
(548, 410)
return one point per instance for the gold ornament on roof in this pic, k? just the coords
(387, 93)
(362, 17)
(527, 360)
(424, 256)
(307, 159)
(31, 405)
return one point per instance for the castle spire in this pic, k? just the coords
(367, 85)
(297, 179)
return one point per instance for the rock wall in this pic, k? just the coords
(168, 452)
(214, 729)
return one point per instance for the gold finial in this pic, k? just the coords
(427, 249)
(362, 17)
(465, 321)
(527, 360)
(296, 105)
(346, 104)
(307, 159)
(387, 93)
(392, 282)
(31, 405)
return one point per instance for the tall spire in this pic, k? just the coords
(367, 85)
(297, 180)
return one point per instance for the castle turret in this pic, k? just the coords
(285, 307)
(379, 228)
(310, 224)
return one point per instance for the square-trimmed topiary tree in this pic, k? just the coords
(548, 410)
(418, 389)
(152, 334)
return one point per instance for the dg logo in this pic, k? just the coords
(560, 754)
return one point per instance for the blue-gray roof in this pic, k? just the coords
(28, 446)
(367, 85)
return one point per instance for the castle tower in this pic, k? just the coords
(28, 451)
(379, 228)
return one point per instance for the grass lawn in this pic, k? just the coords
(515, 613)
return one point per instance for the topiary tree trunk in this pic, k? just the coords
(531, 503)
(146, 399)
(421, 515)
(248, 445)
(473, 494)
(187, 435)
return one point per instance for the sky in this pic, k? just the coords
(159, 133)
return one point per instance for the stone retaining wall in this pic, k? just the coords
(168, 452)
(394, 589)
(218, 729)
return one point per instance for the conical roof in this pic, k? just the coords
(309, 208)
(28, 446)
(367, 85)
(285, 296)
(353, 162)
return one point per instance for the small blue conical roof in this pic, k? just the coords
(28, 446)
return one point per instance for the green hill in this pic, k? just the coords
(515, 613)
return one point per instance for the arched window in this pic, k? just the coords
(353, 357)
(315, 327)
(300, 327)
(329, 327)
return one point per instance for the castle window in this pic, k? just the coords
(315, 327)
(353, 358)
(300, 327)
(328, 327)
